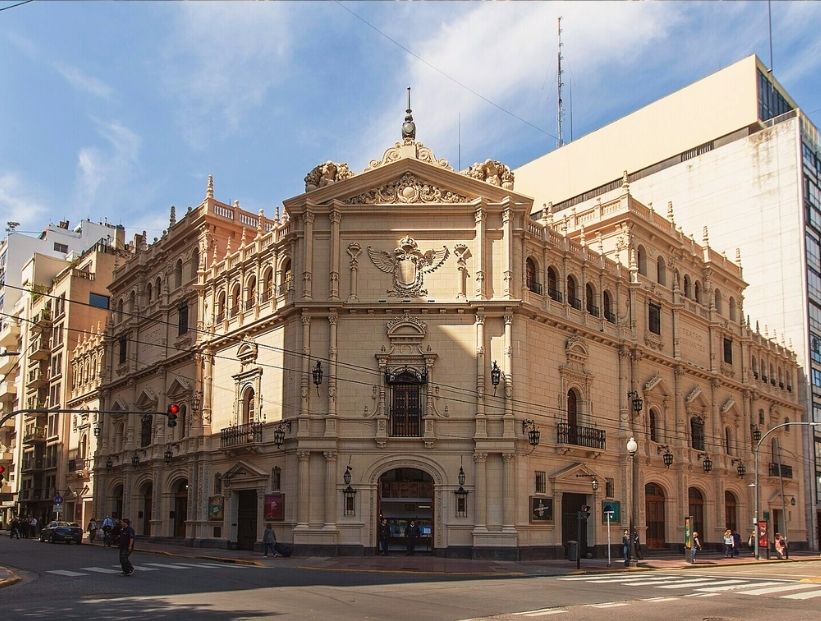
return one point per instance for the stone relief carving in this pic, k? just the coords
(397, 152)
(652, 383)
(492, 172)
(408, 265)
(407, 189)
(326, 174)
(695, 392)
(729, 403)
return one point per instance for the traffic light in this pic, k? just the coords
(2, 474)
(173, 411)
(585, 511)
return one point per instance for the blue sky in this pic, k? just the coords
(115, 111)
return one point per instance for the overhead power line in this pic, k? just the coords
(11, 6)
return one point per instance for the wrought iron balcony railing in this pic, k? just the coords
(555, 294)
(241, 435)
(786, 471)
(535, 287)
(581, 436)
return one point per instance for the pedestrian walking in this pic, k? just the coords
(384, 535)
(780, 545)
(127, 535)
(269, 541)
(637, 545)
(411, 533)
(33, 527)
(751, 543)
(92, 530)
(625, 547)
(108, 526)
(696, 546)
(14, 531)
(728, 543)
(736, 542)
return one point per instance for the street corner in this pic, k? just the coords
(231, 560)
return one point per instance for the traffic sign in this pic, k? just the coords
(58, 508)
(58, 500)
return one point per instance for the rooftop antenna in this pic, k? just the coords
(770, 21)
(11, 226)
(560, 107)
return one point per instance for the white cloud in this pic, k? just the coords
(104, 173)
(222, 60)
(82, 81)
(507, 53)
(19, 203)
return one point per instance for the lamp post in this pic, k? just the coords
(758, 438)
(632, 448)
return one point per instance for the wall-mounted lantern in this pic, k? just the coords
(533, 434)
(279, 433)
(495, 376)
(667, 457)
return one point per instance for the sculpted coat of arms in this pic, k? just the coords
(408, 265)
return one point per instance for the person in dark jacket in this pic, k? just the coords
(126, 537)
(411, 534)
(384, 535)
(625, 547)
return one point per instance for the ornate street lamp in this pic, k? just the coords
(594, 484)
(740, 468)
(533, 434)
(667, 457)
(109, 464)
(495, 376)
(279, 433)
(168, 456)
(97, 429)
(635, 401)
(349, 493)
(461, 495)
(317, 375)
(135, 459)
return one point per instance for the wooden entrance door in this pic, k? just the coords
(246, 519)
(654, 510)
(180, 509)
(571, 505)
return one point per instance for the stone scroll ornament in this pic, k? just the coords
(408, 265)
(326, 174)
(492, 172)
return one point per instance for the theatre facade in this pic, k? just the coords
(407, 342)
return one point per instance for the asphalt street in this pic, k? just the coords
(83, 582)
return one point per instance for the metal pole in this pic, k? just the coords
(608, 537)
(579, 537)
(633, 559)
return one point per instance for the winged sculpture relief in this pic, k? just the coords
(408, 265)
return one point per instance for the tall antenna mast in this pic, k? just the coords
(560, 107)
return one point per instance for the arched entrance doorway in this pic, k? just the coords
(146, 505)
(654, 510)
(730, 511)
(117, 502)
(696, 506)
(180, 491)
(406, 494)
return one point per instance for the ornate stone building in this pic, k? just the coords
(408, 342)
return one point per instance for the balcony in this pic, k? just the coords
(8, 361)
(535, 287)
(36, 378)
(40, 349)
(42, 320)
(79, 468)
(609, 316)
(8, 391)
(555, 294)
(241, 435)
(32, 465)
(33, 435)
(589, 437)
(266, 295)
(575, 303)
(9, 332)
(786, 471)
(593, 310)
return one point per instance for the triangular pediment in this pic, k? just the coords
(411, 181)
(243, 471)
(178, 388)
(577, 473)
(147, 400)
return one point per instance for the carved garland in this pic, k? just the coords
(407, 189)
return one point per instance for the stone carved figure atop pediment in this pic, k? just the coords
(408, 265)
(492, 172)
(326, 174)
(407, 189)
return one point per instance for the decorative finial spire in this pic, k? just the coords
(276, 217)
(670, 213)
(260, 221)
(738, 257)
(409, 127)
(173, 219)
(705, 237)
(209, 192)
(625, 181)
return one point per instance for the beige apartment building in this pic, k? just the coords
(734, 152)
(407, 342)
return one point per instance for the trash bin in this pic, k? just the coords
(572, 550)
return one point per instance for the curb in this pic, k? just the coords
(419, 572)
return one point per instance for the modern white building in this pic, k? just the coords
(732, 155)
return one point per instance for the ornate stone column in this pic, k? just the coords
(508, 519)
(480, 219)
(481, 491)
(507, 228)
(304, 478)
(330, 490)
(354, 250)
(308, 259)
(481, 365)
(333, 283)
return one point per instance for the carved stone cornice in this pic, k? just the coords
(408, 189)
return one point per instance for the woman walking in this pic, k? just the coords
(695, 547)
(728, 543)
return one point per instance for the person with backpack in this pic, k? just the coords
(269, 541)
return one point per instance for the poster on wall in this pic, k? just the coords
(216, 506)
(275, 507)
(541, 509)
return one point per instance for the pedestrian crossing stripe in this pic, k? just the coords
(167, 566)
(66, 572)
(102, 570)
(116, 569)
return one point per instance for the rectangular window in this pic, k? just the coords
(123, 348)
(182, 320)
(609, 488)
(58, 247)
(654, 318)
(541, 482)
(99, 301)
(728, 350)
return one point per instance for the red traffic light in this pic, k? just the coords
(174, 408)
(2, 469)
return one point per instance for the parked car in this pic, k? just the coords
(62, 531)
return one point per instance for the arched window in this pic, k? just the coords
(251, 293)
(755, 368)
(661, 271)
(178, 273)
(780, 378)
(248, 406)
(731, 304)
(132, 303)
(697, 291)
(195, 260)
(718, 301)
(218, 484)
(158, 287)
(653, 424)
(572, 295)
(641, 260)
(235, 300)
(728, 441)
(267, 284)
(406, 403)
(532, 276)
(686, 286)
(572, 410)
(119, 310)
(772, 374)
(84, 447)
(774, 450)
(730, 509)
(697, 433)
(553, 284)
(276, 478)
(607, 307)
(149, 290)
(286, 279)
(590, 300)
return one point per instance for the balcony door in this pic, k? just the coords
(572, 416)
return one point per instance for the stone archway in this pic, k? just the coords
(654, 511)
(180, 512)
(405, 494)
